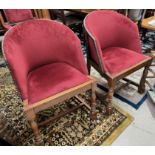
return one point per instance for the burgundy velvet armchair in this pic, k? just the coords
(114, 49)
(46, 62)
(14, 16)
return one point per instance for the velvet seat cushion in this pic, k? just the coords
(51, 79)
(118, 59)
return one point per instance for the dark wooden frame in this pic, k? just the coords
(113, 79)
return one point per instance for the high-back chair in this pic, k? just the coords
(46, 62)
(15, 16)
(114, 49)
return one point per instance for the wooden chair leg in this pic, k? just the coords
(141, 88)
(88, 67)
(32, 121)
(93, 102)
(109, 98)
(38, 139)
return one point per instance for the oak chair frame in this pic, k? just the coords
(113, 79)
(31, 110)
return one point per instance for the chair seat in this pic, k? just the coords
(117, 59)
(52, 79)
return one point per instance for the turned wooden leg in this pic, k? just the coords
(93, 102)
(141, 88)
(32, 120)
(109, 98)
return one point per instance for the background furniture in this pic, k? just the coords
(48, 68)
(145, 23)
(4, 26)
(152, 54)
(11, 17)
(71, 16)
(68, 16)
(151, 92)
(149, 40)
(146, 26)
(42, 13)
(114, 49)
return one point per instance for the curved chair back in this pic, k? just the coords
(18, 15)
(32, 44)
(110, 29)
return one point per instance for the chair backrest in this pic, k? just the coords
(35, 43)
(18, 15)
(111, 29)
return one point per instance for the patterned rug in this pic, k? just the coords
(73, 129)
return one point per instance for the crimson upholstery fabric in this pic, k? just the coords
(118, 59)
(18, 15)
(38, 52)
(116, 38)
(53, 78)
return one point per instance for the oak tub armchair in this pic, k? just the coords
(114, 49)
(48, 67)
